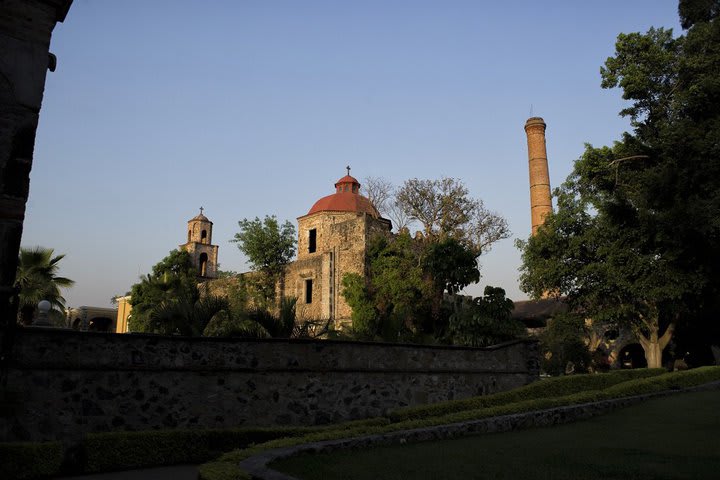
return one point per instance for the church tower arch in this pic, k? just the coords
(199, 245)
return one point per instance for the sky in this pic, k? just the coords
(254, 108)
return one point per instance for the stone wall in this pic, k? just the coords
(61, 384)
(341, 243)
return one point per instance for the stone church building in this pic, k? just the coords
(332, 240)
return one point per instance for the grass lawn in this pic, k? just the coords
(677, 437)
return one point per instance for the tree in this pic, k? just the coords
(380, 191)
(445, 210)
(187, 314)
(402, 295)
(392, 300)
(269, 247)
(37, 280)
(562, 344)
(382, 194)
(484, 321)
(636, 237)
(174, 277)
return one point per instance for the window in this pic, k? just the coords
(203, 264)
(203, 236)
(189, 235)
(312, 240)
(308, 290)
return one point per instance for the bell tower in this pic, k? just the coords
(199, 246)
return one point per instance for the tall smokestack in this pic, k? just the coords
(540, 199)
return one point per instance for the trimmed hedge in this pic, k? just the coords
(30, 460)
(549, 388)
(616, 385)
(222, 471)
(125, 450)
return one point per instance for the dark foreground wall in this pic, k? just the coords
(62, 383)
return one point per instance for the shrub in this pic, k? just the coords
(30, 460)
(562, 343)
(553, 387)
(125, 450)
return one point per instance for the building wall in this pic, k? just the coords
(341, 243)
(196, 249)
(123, 313)
(92, 318)
(62, 383)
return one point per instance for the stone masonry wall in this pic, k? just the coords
(61, 384)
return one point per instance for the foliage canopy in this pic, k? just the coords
(635, 239)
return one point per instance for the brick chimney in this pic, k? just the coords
(540, 199)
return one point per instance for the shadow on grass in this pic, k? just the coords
(667, 438)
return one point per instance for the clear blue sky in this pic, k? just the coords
(250, 108)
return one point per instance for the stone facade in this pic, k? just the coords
(63, 383)
(338, 247)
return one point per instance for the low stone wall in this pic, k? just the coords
(61, 384)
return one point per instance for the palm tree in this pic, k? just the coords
(187, 314)
(37, 280)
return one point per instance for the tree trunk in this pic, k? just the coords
(652, 344)
(653, 355)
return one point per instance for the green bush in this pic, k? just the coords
(30, 460)
(221, 471)
(125, 450)
(639, 386)
(552, 387)
(563, 342)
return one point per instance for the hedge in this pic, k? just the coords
(30, 460)
(549, 388)
(616, 385)
(125, 450)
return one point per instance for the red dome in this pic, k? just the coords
(346, 198)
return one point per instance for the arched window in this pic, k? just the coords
(189, 235)
(203, 264)
(203, 236)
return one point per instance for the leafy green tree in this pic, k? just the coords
(269, 247)
(562, 343)
(402, 295)
(37, 280)
(365, 318)
(392, 300)
(636, 237)
(174, 277)
(485, 320)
